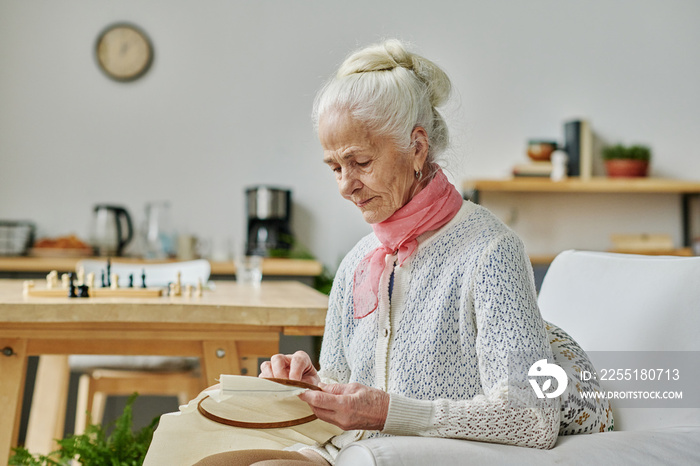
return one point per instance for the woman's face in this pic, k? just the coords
(369, 169)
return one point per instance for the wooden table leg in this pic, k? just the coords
(13, 367)
(47, 416)
(220, 357)
(236, 356)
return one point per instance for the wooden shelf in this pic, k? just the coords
(271, 266)
(596, 185)
(577, 185)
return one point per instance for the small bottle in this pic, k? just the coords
(559, 160)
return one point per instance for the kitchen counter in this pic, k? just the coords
(32, 267)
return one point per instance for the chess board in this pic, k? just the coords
(97, 292)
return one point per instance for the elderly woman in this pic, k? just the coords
(429, 311)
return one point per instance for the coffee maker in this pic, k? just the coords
(269, 212)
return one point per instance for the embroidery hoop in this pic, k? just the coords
(262, 425)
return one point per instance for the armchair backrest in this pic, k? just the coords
(620, 302)
(624, 302)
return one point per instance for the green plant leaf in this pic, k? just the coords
(621, 152)
(94, 447)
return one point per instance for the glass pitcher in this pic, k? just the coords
(158, 234)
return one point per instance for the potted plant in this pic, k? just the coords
(121, 447)
(626, 161)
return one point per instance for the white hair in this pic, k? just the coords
(392, 91)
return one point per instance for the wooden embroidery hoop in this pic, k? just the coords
(262, 425)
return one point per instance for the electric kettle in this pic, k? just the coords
(111, 229)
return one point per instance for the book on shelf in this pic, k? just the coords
(579, 147)
(536, 169)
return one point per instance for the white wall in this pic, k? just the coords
(226, 105)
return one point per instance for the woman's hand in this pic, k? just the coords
(349, 406)
(295, 366)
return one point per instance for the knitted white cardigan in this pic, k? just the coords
(462, 307)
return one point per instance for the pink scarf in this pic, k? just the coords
(430, 209)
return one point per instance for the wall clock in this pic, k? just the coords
(124, 52)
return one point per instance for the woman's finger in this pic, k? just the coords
(279, 363)
(266, 369)
(299, 365)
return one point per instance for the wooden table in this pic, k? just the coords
(228, 329)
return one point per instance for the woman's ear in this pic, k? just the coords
(419, 142)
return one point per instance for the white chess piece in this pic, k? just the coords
(91, 280)
(27, 286)
(198, 291)
(178, 284)
(114, 281)
(65, 281)
(52, 280)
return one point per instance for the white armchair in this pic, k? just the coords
(607, 302)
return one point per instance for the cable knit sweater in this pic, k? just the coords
(462, 308)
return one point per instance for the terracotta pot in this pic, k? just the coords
(626, 167)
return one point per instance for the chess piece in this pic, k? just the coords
(171, 289)
(52, 280)
(188, 290)
(131, 280)
(91, 280)
(81, 276)
(64, 281)
(143, 278)
(178, 284)
(71, 286)
(109, 272)
(104, 283)
(27, 286)
(83, 291)
(198, 291)
(114, 281)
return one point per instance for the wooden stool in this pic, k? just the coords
(96, 385)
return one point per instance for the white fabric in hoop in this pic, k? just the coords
(186, 437)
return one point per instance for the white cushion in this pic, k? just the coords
(678, 445)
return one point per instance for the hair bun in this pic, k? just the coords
(392, 54)
(439, 85)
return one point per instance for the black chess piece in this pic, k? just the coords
(131, 280)
(83, 291)
(71, 286)
(143, 278)
(103, 279)
(109, 272)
